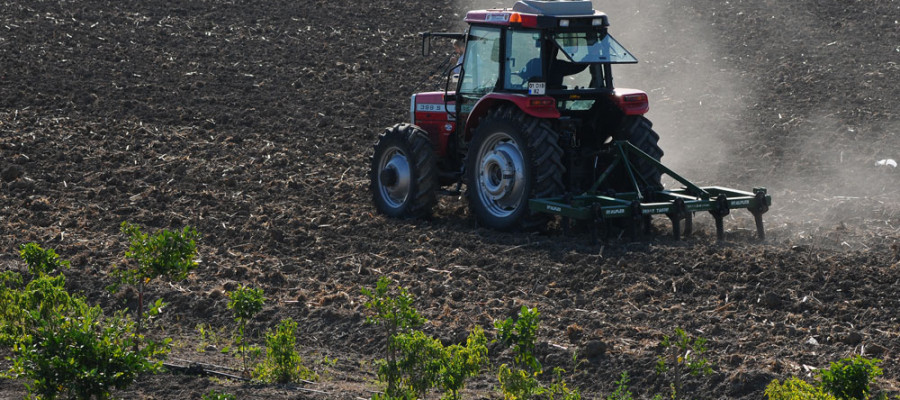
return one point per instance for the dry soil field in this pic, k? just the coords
(253, 121)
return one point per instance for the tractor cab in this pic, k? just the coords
(535, 49)
(560, 50)
(552, 59)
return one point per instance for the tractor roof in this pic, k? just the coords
(555, 8)
(540, 14)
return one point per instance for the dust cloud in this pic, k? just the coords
(694, 98)
(739, 110)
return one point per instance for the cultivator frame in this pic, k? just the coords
(679, 204)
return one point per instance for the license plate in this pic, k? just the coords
(537, 88)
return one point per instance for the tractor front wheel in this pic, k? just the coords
(403, 173)
(512, 158)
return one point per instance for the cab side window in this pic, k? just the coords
(524, 61)
(481, 65)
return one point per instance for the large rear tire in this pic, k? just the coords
(638, 130)
(512, 158)
(403, 173)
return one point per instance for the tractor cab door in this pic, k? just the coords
(480, 71)
(523, 61)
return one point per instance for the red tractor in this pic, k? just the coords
(531, 123)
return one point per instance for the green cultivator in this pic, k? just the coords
(679, 205)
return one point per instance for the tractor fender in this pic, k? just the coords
(535, 106)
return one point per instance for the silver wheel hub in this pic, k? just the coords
(501, 175)
(394, 178)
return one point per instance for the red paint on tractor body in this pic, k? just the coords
(435, 117)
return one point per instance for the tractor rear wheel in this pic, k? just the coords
(403, 173)
(512, 158)
(638, 130)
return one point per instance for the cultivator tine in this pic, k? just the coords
(676, 228)
(719, 212)
(761, 207)
(597, 213)
(688, 224)
(676, 216)
(720, 229)
(637, 220)
(760, 230)
(566, 222)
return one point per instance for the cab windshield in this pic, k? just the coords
(592, 47)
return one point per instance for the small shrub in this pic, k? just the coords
(394, 313)
(282, 363)
(82, 354)
(521, 335)
(43, 293)
(558, 388)
(39, 260)
(795, 389)
(520, 381)
(164, 254)
(62, 345)
(419, 362)
(211, 337)
(245, 302)
(424, 363)
(416, 362)
(622, 392)
(684, 355)
(850, 378)
(40, 299)
(331, 362)
(10, 308)
(393, 308)
(463, 362)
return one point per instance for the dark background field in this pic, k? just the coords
(254, 122)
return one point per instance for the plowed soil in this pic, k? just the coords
(254, 122)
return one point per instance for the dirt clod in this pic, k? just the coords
(11, 173)
(594, 349)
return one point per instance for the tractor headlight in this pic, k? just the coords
(564, 23)
(597, 22)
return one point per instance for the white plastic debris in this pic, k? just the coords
(887, 162)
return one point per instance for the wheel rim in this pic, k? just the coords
(394, 177)
(500, 175)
